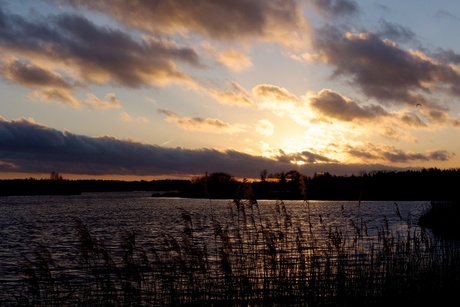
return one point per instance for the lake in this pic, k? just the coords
(28, 222)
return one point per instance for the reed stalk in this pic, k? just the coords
(253, 260)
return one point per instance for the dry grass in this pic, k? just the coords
(249, 260)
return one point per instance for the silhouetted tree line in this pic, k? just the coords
(427, 184)
(62, 186)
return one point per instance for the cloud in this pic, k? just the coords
(281, 102)
(440, 155)
(49, 86)
(449, 56)
(441, 117)
(384, 71)
(412, 120)
(273, 93)
(336, 8)
(95, 103)
(233, 59)
(28, 147)
(237, 20)
(265, 127)
(31, 75)
(236, 96)
(395, 32)
(89, 53)
(211, 125)
(31, 147)
(373, 153)
(333, 105)
(125, 117)
(55, 95)
(395, 129)
(443, 14)
(304, 157)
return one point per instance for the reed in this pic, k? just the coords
(250, 259)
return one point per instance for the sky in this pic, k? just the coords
(131, 89)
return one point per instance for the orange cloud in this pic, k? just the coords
(238, 20)
(211, 125)
(233, 59)
(111, 102)
(237, 96)
(274, 93)
(333, 105)
(55, 95)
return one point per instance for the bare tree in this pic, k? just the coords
(263, 175)
(55, 176)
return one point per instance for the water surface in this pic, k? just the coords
(28, 222)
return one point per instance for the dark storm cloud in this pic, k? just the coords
(99, 54)
(333, 105)
(36, 148)
(337, 8)
(384, 71)
(28, 147)
(216, 19)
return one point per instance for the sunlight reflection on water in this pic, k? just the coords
(27, 222)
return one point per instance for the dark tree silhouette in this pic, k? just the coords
(55, 176)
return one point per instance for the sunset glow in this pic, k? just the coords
(174, 89)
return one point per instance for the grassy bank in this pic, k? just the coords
(249, 260)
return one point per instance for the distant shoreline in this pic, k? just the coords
(426, 185)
